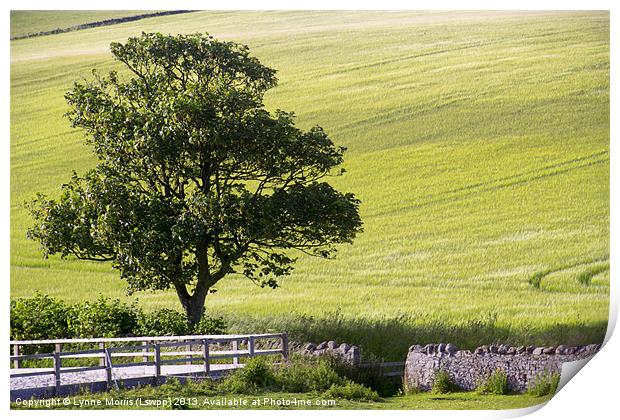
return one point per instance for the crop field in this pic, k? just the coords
(478, 143)
(24, 22)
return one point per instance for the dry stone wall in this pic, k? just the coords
(350, 354)
(522, 365)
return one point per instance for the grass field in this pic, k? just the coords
(477, 142)
(24, 22)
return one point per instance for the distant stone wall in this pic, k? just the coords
(350, 354)
(467, 369)
(106, 22)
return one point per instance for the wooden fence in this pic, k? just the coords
(151, 351)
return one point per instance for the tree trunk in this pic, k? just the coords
(193, 305)
(196, 302)
(194, 310)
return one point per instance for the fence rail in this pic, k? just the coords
(390, 369)
(150, 349)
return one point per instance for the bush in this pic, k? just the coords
(351, 391)
(443, 383)
(496, 383)
(41, 317)
(257, 373)
(210, 325)
(544, 384)
(371, 375)
(38, 318)
(162, 322)
(103, 318)
(322, 376)
(308, 374)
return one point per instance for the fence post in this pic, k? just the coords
(235, 347)
(188, 349)
(205, 355)
(285, 346)
(145, 358)
(16, 363)
(102, 361)
(108, 368)
(57, 365)
(157, 362)
(58, 347)
(251, 346)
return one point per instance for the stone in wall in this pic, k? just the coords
(522, 365)
(350, 354)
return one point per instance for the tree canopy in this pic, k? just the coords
(195, 178)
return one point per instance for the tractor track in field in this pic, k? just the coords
(523, 178)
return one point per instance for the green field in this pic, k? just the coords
(24, 22)
(478, 143)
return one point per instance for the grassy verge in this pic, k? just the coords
(203, 398)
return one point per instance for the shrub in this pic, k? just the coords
(307, 375)
(371, 375)
(235, 384)
(210, 325)
(496, 383)
(351, 391)
(257, 373)
(163, 322)
(443, 383)
(38, 318)
(103, 318)
(322, 376)
(544, 384)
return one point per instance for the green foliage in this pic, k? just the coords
(496, 383)
(163, 322)
(204, 181)
(351, 391)
(103, 318)
(258, 373)
(308, 374)
(210, 325)
(42, 317)
(370, 375)
(38, 318)
(544, 384)
(443, 383)
(301, 374)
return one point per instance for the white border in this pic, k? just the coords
(593, 391)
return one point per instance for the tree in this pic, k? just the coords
(195, 178)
